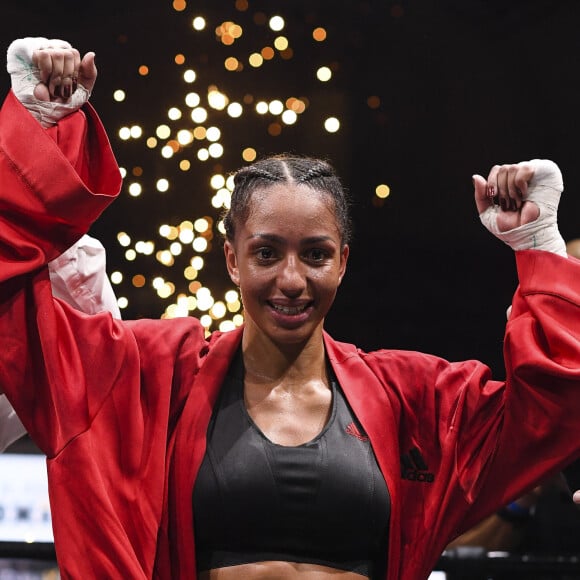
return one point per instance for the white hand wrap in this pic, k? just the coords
(544, 190)
(25, 76)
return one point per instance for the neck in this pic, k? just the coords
(268, 362)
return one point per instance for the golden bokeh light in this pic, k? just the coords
(249, 154)
(189, 76)
(199, 115)
(185, 137)
(192, 100)
(216, 99)
(135, 189)
(136, 131)
(138, 281)
(228, 32)
(276, 107)
(332, 124)
(281, 43)
(197, 263)
(261, 107)
(274, 129)
(199, 133)
(324, 74)
(124, 239)
(163, 131)
(124, 133)
(319, 34)
(116, 277)
(276, 23)
(198, 23)
(382, 191)
(174, 113)
(267, 53)
(235, 110)
(256, 59)
(232, 64)
(162, 185)
(289, 117)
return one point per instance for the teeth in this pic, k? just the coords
(289, 310)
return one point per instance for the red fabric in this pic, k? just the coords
(121, 408)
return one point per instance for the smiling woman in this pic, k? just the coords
(288, 258)
(272, 450)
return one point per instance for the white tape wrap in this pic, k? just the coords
(25, 76)
(544, 190)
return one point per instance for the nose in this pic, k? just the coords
(292, 277)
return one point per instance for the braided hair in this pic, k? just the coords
(315, 173)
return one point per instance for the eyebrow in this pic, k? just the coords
(280, 240)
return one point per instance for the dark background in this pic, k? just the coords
(463, 84)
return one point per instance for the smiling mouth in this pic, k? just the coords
(290, 310)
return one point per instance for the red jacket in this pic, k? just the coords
(121, 408)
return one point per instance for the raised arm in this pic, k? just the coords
(79, 278)
(74, 156)
(49, 77)
(49, 194)
(51, 81)
(518, 203)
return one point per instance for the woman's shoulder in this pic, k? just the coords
(167, 334)
(343, 350)
(179, 336)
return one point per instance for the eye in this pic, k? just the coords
(265, 254)
(316, 255)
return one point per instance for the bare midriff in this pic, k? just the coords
(278, 571)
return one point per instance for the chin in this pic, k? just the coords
(294, 337)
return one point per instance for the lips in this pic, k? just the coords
(290, 310)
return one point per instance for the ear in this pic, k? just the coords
(232, 262)
(343, 260)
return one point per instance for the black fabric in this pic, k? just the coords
(572, 476)
(554, 528)
(323, 502)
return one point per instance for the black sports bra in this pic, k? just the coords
(323, 502)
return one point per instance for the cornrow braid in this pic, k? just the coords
(252, 172)
(306, 169)
(315, 173)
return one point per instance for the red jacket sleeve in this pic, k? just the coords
(486, 441)
(50, 193)
(513, 434)
(49, 196)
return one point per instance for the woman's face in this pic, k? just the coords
(288, 261)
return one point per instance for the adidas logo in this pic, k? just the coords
(414, 468)
(352, 429)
